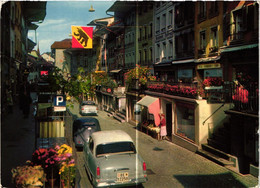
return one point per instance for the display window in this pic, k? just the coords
(185, 120)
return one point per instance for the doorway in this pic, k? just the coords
(169, 120)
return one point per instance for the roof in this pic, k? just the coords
(102, 137)
(64, 44)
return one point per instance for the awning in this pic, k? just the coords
(237, 48)
(147, 101)
(115, 71)
(183, 61)
(163, 63)
(153, 105)
(207, 59)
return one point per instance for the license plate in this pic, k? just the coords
(122, 177)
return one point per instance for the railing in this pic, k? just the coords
(245, 99)
(179, 89)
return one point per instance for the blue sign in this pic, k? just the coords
(59, 100)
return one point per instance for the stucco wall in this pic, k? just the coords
(205, 125)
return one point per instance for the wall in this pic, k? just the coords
(202, 112)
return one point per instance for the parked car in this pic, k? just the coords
(88, 108)
(82, 129)
(111, 159)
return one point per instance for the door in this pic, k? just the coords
(169, 120)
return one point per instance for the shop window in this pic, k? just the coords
(185, 75)
(185, 120)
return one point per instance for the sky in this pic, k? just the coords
(61, 15)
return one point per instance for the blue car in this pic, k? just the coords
(82, 129)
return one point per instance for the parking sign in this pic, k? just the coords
(59, 102)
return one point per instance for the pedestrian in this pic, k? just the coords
(163, 131)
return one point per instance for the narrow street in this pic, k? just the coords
(168, 164)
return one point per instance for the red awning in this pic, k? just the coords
(153, 105)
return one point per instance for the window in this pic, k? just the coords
(151, 54)
(145, 56)
(115, 148)
(202, 9)
(170, 52)
(170, 18)
(163, 50)
(163, 22)
(213, 38)
(213, 7)
(157, 24)
(185, 120)
(91, 145)
(237, 26)
(151, 30)
(145, 32)
(203, 41)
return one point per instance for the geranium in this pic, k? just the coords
(24, 176)
(142, 74)
(48, 160)
(213, 81)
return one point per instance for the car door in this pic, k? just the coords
(89, 156)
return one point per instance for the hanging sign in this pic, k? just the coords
(82, 37)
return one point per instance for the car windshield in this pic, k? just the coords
(89, 124)
(115, 148)
(88, 103)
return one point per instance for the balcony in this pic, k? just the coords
(244, 99)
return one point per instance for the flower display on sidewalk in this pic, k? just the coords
(47, 164)
(67, 169)
(26, 175)
(48, 159)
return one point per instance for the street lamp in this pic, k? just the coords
(91, 9)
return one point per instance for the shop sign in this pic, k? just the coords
(209, 66)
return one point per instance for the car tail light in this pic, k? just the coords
(144, 166)
(98, 171)
(82, 108)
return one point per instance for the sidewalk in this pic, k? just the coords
(17, 142)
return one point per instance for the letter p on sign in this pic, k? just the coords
(59, 100)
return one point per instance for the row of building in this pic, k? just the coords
(204, 55)
(205, 58)
(17, 18)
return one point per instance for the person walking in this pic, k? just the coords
(163, 131)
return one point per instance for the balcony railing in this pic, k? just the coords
(244, 99)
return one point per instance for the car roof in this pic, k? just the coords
(102, 137)
(87, 119)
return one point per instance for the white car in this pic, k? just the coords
(111, 159)
(88, 108)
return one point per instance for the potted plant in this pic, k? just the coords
(28, 176)
(48, 159)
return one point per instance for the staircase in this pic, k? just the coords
(218, 147)
(120, 116)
